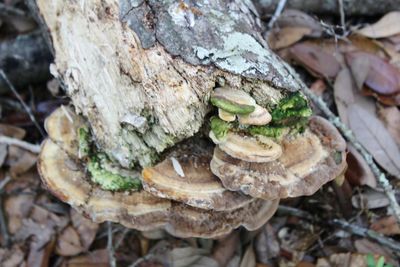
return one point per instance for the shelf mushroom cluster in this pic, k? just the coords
(199, 189)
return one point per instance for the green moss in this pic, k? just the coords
(291, 110)
(108, 180)
(220, 127)
(84, 142)
(232, 107)
(269, 131)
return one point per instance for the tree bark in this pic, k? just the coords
(141, 71)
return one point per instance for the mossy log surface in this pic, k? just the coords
(141, 72)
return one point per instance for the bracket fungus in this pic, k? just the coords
(68, 177)
(290, 156)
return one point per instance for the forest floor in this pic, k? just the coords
(352, 64)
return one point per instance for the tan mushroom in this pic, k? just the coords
(260, 116)
(185, 176)
(307, 162)
(233, 100)
(226, 116)
(65, 176)
(248, 148)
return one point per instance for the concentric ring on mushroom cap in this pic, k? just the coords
(63, 174)
(141, 210)
(308, 161)
(185, 176)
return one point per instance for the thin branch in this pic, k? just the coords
(342, 16)
(110, 246)
(348, 134)
(10, 10)
(26, 107)
(277, 13)
(16, 142)
(360, 231)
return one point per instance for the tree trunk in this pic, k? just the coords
(141, 71)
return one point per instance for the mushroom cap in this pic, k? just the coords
(233, 100)
(260, 116)
(248, 148)
(308, 161)
(64, 175)
(141, 210)
(185, 176)
(62, 126)
(226, 116)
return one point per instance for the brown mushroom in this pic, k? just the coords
(185, 176)
(307, 162)
(65, 176)
(260, 116)
(248, 148)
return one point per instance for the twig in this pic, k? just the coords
(357, 230)
(277, 13)
(342, 16)
(286, 210)
(27, 109)
(110, 246)
(121, 238)
(10, 10)
(3, 225)
(16, 142)
(348, 134)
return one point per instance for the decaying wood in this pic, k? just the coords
(350, 7)
(141, 71)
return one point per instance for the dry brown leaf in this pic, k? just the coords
(224, 250)
(343, 91)
(358, 171)
(12, 257)
(370, 199)
(68, 243)
(17, 208)
(318, 87)
(343, 260)
(284, 37)
(38, 255)
(387, 26)
(390, 116)
(20, 160)
(266, 244)
(375, 72)
(297, 18)
(315, 59)
(85, 228)
(12, 131)
(366, 246)
(96, 258)
(373, 135)
(387, 226)
(249, 257)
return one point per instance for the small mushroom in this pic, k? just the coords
(190, 180)
(260, 116)
(226, 116)
(64, 175)
(248, 148)
(307, 162)
(233, 100)
(62, 126)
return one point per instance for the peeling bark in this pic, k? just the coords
(141, 71)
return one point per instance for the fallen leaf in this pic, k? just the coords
(17, 208)
(390, 116)
(387, 226)
(389, 100)
(20, 160)
(297, 18)
(39, 255)
(85, 228)
(284, 37)
(387, 26)
(12, 131)
(249, 257)
(345, 260)
(266, 244)
(315, 59)
(370, 199)
(343, 91)
(68, 243)
(12, 257)
(358, 171)
(225, 248)
(318, 87)
(373, 135)
(96, 258)
(375, 72)
(366, 247)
